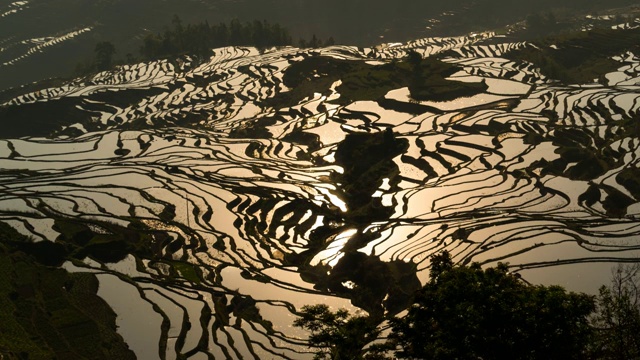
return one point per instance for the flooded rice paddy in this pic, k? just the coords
(243, 220)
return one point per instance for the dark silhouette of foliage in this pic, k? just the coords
(378, 287)
(199, 39)
(617, 321)
(315, 42)
(367, 159)
(336, 335)
(104, 55)
(538, 23)
(466, 312)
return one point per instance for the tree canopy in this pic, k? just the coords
(104, 55)
(617, 321)
(467, 312)
(336, 335)
(199, 39)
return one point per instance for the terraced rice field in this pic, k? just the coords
(239, 218)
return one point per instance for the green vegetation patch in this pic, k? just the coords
(187, 271)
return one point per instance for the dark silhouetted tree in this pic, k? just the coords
(314, 43)
(617, 320)
(338, 336)
(465, 312)
(330, 41)
(199, 39)
(104, 55)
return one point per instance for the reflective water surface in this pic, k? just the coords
(244, 220)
